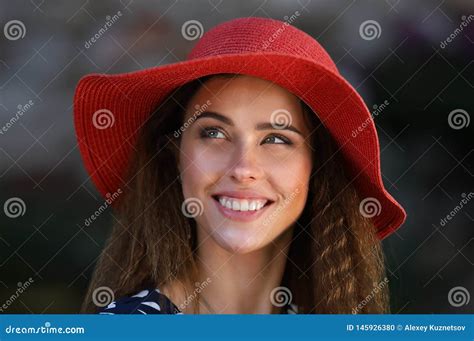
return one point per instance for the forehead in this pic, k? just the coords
(245, 98)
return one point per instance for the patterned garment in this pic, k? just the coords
(152, 301)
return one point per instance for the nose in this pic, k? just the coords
(245, 166)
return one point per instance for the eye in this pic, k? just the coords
(276, 139)
(212, 133)
(216, 133)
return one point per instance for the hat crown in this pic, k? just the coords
(260, 35)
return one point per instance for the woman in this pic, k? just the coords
(250, 177)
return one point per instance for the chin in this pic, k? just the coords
(238, 242)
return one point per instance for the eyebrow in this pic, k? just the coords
(259, 126)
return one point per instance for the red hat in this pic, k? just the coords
(110, 109)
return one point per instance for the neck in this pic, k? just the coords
(241, 283)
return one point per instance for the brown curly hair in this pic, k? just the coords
(335, 262)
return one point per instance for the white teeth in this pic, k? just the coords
(253, 206)
(235, 205)
(242, 205)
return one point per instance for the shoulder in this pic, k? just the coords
(147, 301)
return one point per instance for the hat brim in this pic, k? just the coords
(131, 97)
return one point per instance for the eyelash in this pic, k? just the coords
(204, 134)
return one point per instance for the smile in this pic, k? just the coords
(241, 209)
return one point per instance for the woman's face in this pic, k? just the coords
(244, 162)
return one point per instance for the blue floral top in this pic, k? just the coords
(152, 301)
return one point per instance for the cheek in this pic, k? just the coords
(291, 172)
(291, 180)
(199, 166)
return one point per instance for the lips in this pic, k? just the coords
(242, 216)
